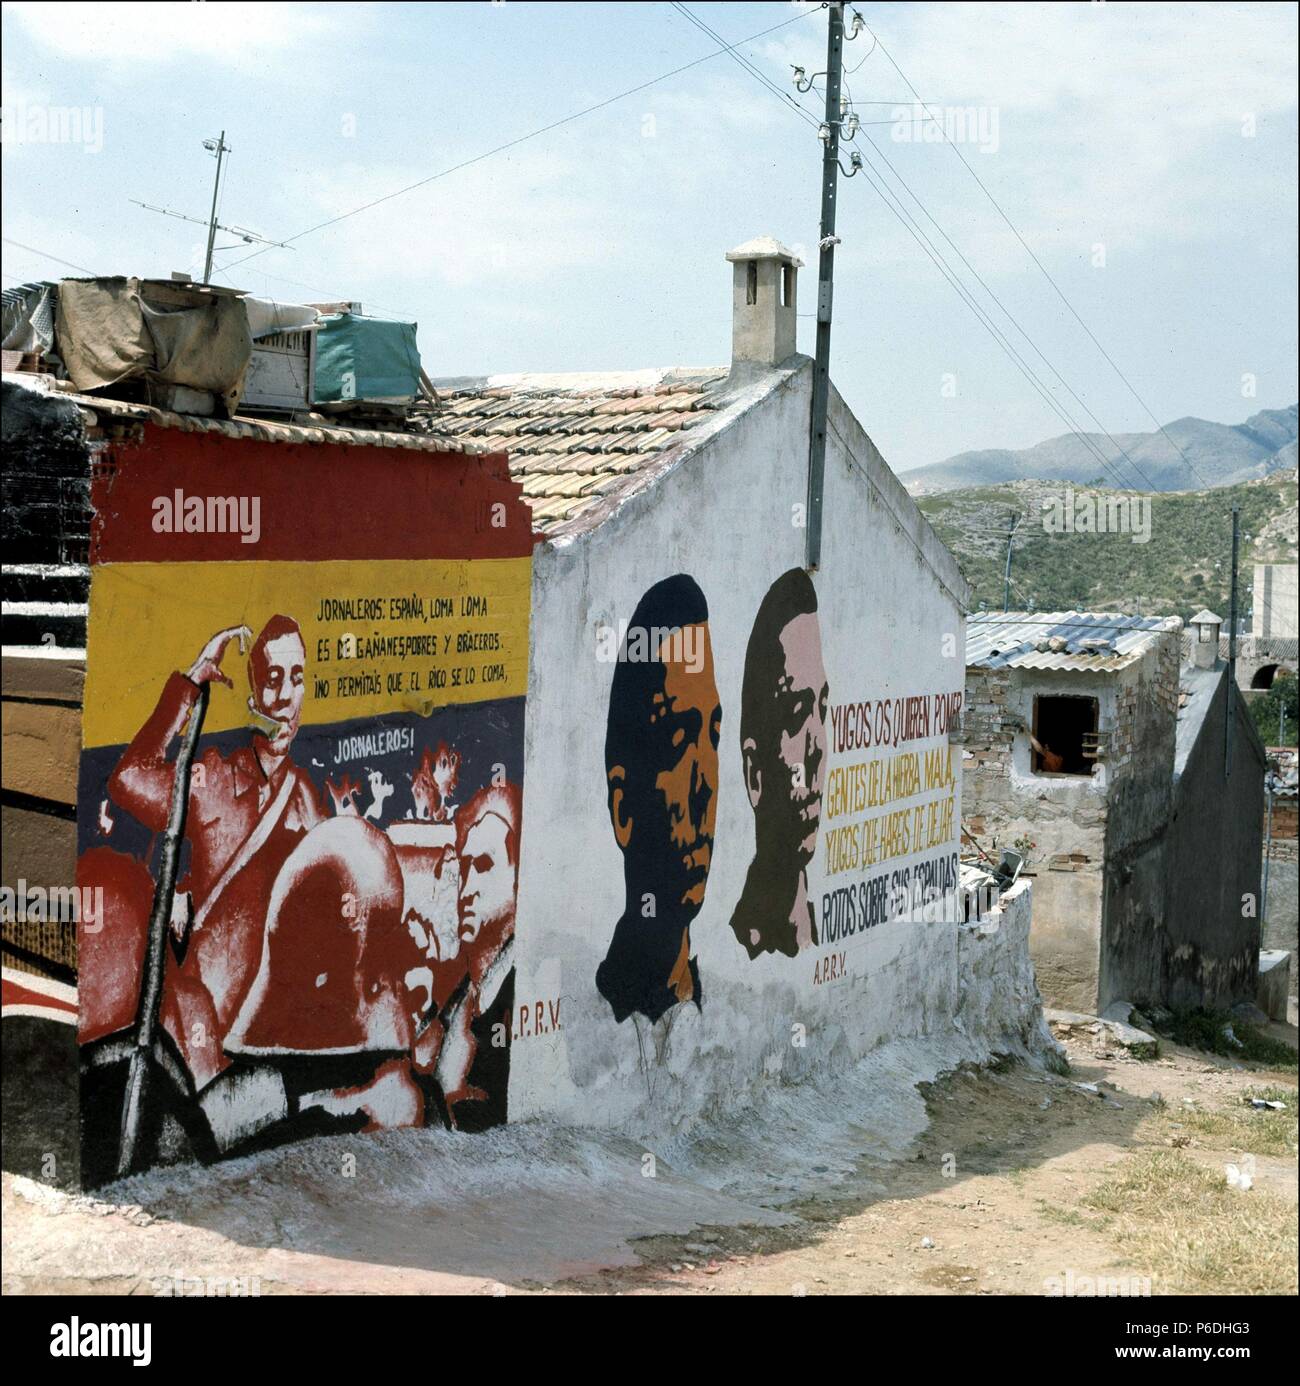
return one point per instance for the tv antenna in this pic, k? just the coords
(219, 149)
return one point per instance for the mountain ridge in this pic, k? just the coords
(1181, 564)
(1203, 455)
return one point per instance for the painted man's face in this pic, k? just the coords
(487, 878)
(278, 686)
(800, 740)
(686, 721)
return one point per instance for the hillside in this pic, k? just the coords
(1219, 454)
(1184, 566)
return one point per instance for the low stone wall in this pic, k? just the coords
(1281, 907)
(998, 996)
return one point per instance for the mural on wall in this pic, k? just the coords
(661, 768)
(309, 879)
(783, 752)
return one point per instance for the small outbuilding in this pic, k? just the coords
(1132, 783)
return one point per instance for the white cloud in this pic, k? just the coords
(163, 31)
(1119, 124)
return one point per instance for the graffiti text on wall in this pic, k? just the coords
(300, 793)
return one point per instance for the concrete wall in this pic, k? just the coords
(889, 609)
(1141, 769)
(341, 920)
(1283, 905)
(999, 990)
(1213, 866)
(1097, 856)
(1064, 816)
(1275, 592)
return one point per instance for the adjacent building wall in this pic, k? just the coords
(889, 611)
(1092, 843)
(46, 486)
(1276, 600)
(1064, 817)
(1214, 864)
(1140, 769)
(844, 806)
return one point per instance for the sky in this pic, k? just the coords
(1146, 153)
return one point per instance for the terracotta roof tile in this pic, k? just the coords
(568, 447)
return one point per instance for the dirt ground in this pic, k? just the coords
(994, 1201)
(1021, 1176)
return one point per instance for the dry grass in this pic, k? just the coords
(1181, 1224)
(1236, 1127)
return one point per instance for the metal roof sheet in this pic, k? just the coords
(1081, 641)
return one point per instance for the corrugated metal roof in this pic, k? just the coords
(1082, 641)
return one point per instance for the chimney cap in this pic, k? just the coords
(1205, 617)
(765, 248)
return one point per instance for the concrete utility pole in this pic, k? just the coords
(1014, 517)
(825, 280)
(1231, 690)
(221, 149)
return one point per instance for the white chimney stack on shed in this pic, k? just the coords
(764, 302)
(1205, 639)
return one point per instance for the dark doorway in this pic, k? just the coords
(1065, 730)
(1263, 676)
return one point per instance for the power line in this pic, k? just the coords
(941, 263)
(1010, 318)
(45, 255)
(910, 225)
(730, 49)
(1059, 293)
(926, 244)
(511, 144)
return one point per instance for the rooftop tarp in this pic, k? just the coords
(110, 330)
(363, 358)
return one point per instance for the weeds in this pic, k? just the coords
(1215, 1031)
(1181, 1222)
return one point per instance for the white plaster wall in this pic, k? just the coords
(999, 1000)
(723, 515)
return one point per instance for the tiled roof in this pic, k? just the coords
(1077, 640)
(264, 430)
(93, 407)
(1279, 647)
(572, 445)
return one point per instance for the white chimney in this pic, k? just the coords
(763, 303)
(1205, 639)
